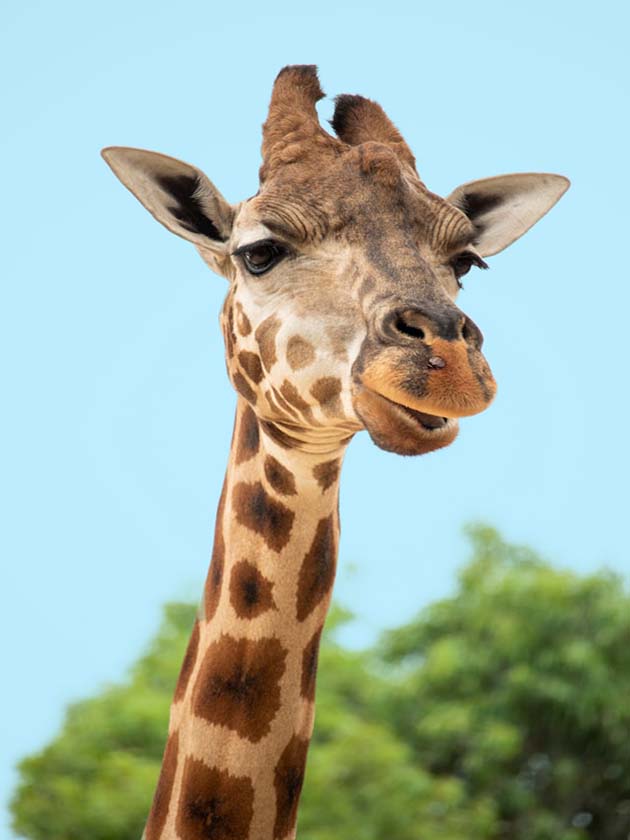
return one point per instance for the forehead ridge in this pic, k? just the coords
(366, 188)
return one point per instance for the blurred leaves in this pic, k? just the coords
(497, 714)
(96, 779)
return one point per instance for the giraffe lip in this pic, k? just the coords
(397, 428)
(430, 422)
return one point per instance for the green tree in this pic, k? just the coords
(518, 686)
(363, 780)
(96, 779)
(498, 713)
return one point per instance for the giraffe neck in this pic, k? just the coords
(243, 710)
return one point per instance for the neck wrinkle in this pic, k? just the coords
(245, 708)
(319, 443)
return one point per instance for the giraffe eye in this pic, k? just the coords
(261, 256)
(462, 263)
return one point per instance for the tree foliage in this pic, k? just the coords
(96, 779)
(497, 714)
(518, 685)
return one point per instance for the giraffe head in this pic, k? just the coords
(344, 270)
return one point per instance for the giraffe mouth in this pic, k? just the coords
(430, 422)
(398, 428)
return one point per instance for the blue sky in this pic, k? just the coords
(118, 413)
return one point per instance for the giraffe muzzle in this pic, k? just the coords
(396, 428)
(427, 359)
(445, 379)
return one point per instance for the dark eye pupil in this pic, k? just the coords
(260, 256)
(462, 265)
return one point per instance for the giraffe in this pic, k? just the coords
(343, 272)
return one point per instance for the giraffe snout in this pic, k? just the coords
(409, 324)
(428, 358)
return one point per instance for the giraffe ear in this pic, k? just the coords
(504, 208)
(179, 196)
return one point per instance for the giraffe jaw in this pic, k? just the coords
(400, 429)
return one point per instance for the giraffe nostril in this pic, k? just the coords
(472, 334)
(409, 325)
(406, 327)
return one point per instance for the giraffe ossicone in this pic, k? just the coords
(340, 315)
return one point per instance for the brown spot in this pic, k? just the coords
(164, 790)
(212, 591)
(318, 569)
(288, 780)
(293, 397)
(258, 511)
(300, 352)
(248, 436)
(250, 591)
(230, 335)
(214, 805)
(327, 473)
(242, 321)
(187, 665)
(229, 314)
(326, 391)
(229, 343)
(239, 685)
(280, 478)
(266, 338)
(243, 387)
(309, 666)
(250, 362)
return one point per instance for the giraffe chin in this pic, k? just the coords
(397, 428)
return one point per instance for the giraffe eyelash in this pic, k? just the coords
(462, 263)
(251, 245)
(261, 256)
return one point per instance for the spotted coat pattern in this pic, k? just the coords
(355, 328)
(243, 709)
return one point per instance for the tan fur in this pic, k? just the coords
(464, 386)
(359, 121)
(292, 133)
(351, 324)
